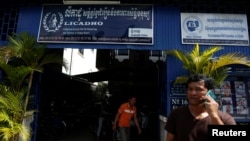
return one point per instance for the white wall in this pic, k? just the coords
(79, 61)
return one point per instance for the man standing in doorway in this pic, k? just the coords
(125, 113)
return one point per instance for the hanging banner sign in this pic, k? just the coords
(116, 24)
(214, 29)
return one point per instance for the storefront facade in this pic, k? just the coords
(165, 30)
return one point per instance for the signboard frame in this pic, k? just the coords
(101, 24)
(214, 29)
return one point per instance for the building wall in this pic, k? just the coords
(167, 35)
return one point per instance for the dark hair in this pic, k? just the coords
(132, 96)
(208, 81)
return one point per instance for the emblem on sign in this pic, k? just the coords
(193, 25)
(52, 21)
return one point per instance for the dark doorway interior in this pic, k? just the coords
(69, 104)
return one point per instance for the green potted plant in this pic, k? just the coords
(19, 60)
(204, 62)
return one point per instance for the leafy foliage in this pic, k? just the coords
(203, 62)
(19, 60)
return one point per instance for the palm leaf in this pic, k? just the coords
(182, 56)
(10, 115)
(7, 133)
(203, 62)
(4, 117)
(231, 59)
(11, 102)
(15, 76)
(19, 60)
(181, 79)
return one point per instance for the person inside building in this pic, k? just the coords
(200, 112)
(126, 112)
(105, 116)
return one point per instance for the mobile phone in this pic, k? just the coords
(211, 94)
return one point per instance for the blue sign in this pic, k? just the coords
(115, 24)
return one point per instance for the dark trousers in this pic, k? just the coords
(125, 133)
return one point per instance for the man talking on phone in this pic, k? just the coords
(190, 123)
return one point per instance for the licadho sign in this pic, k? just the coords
(112, 24)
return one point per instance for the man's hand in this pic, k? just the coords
(114, 127)
(211, 106)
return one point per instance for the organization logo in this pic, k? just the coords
(52, 22)
(192, 25)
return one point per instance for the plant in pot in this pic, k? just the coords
(19, 61)
(204, 62)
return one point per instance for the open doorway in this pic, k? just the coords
(74, 100)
